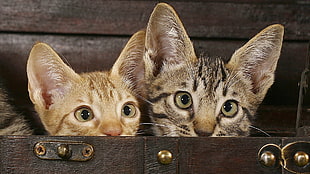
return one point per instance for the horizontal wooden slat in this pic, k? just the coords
(121, 155)
(276, 120)
(153, 146)
(139, 155)
(225, 19)
(223, 155)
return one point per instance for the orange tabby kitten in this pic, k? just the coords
(88, 104)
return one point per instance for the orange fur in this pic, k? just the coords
(88, 104)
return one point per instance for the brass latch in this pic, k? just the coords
(293, 157)
(63, 150)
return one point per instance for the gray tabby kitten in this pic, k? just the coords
(11, 123)
(193, 96)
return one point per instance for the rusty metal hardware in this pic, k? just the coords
(270, 156)
(164, 157)
(301, 158)
(294, 157)
(63, 150)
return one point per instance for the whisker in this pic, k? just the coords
(155, 124)
(260, 130)
(140, 133)
(65, 60)
(144, 99)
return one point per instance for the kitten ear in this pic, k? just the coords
(258, 58)
(130, 64)
(167, 42)
(48, 76)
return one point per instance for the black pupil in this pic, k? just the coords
(85, 114)
(227, 106)
(127, 110)
(185, 99)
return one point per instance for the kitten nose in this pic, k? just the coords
(113, 132)
(202, 134)
(111, 128)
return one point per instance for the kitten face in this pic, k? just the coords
(89, 104)
(200, 96)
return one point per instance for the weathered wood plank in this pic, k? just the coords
(155, 144)
(138, 155)
(276, 120)
(223, 155)
(225, 19)
(112, 155)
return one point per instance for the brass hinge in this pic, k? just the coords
(63, 150)
(293, 157)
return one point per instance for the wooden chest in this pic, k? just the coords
(91, 34)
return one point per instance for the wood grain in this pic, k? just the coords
(139, 155)
(121, 155)
(155, 144)
(212, 19)
(223, 155)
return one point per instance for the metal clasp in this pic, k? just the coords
(294, 157)
(63, 150)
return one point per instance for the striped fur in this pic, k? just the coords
(60, 95)
(224, 97)
(11, 123)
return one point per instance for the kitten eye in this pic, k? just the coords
(183, 100)
(128, 110)
(83, 114)
(230, 108)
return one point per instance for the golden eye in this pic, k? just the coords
(183, 100)
(230, 108)
(84, 114)
(128, 110)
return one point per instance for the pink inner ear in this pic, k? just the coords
(48, 79)
(47, 99)
(54, 85)
(48, 75)
(45, 75)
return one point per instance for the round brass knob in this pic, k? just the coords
(164, 157)
(63, 151)
(301, 158)
(268, 159)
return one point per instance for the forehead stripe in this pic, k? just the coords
(162, 95)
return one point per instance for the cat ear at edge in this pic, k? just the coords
(167, 42)
(258, 58)
(48, 76)
(130, 64)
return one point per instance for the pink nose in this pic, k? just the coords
(113, 132)
(111, 127)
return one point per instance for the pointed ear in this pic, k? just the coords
(130, 64)
(167, 42)
(48, 76)
(258, 58)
